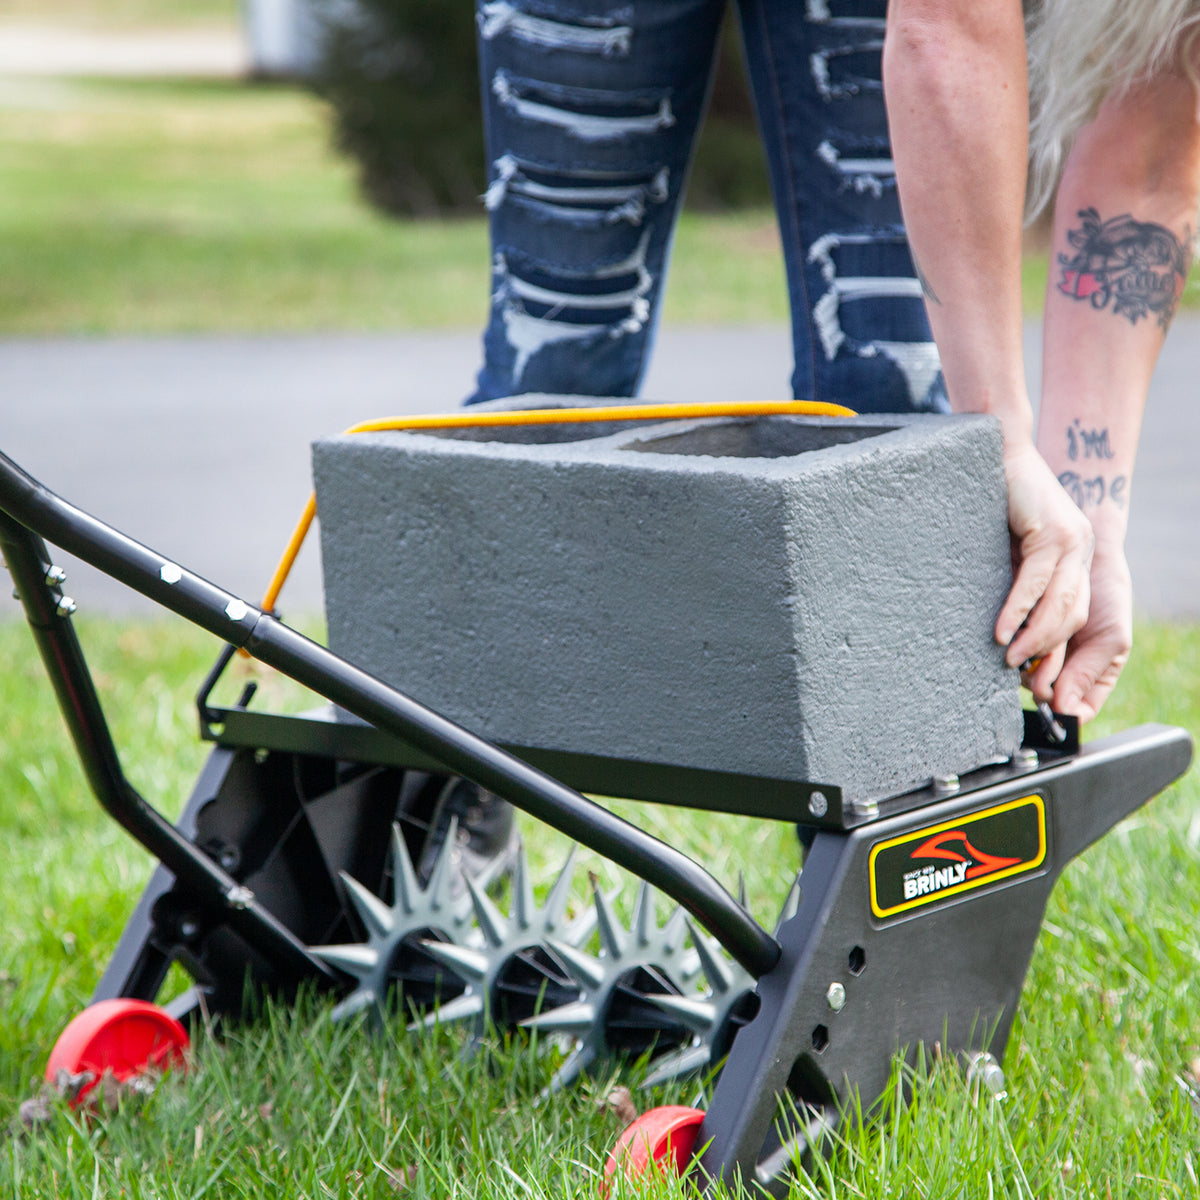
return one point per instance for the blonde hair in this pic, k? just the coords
(1080, 52)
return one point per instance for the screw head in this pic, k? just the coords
(868, 810)
(170, 573)
(818, 804)
(835, 997)
(1025, 758)
(946, 785)
(236, 610)
(239, 897)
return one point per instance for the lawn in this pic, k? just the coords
(148, 207)
(167, 207)
(302, 1107)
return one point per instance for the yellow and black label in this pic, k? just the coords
(931, 865)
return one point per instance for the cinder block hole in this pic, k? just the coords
(773, 437)
(537, 435)
(820, 1039)
(858, 960)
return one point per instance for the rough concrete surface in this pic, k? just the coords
(799, 598)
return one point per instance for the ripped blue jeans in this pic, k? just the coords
(591, 110)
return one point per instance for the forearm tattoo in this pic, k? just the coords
(1091, 486)
(1137, 267)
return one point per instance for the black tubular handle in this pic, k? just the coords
(48, 617)
(261, 635)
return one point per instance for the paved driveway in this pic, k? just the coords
(199, 446)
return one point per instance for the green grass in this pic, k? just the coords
(153, 207)
(133, 207)
(168, 207)
(295, 1106)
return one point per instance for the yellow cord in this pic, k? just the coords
(547, 416)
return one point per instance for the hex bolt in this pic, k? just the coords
(55, 576)
(66, 606)
(836, 996)
(818, 804)
(867, 809)
(982, 1068)
(239, 897)
(170, 573)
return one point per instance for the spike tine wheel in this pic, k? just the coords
(610, 1016)
(518, 969)
(728, 1002)
(392, 956)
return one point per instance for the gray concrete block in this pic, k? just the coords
(801, 598)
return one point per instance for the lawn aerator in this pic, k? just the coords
(296, 858)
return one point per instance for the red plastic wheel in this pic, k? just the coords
(121, 1037)
(660, 1139)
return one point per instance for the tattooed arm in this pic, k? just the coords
(1124, 219)
(954, 77)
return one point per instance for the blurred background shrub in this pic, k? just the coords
(402, 82)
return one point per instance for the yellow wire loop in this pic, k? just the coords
(547, 416)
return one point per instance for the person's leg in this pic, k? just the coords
(590, 115)
(859, 325)
(860, 332)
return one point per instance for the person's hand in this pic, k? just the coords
(1052, 553)
(1097, 654)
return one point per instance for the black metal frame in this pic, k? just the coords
(846, 986)
(29, 512)
(948, 973)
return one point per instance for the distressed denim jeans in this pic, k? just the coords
(591, 111)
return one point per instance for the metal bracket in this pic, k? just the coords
(910, 962)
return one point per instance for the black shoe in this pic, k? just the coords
(487, 841)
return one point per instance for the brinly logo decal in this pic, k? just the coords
(935, 863)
